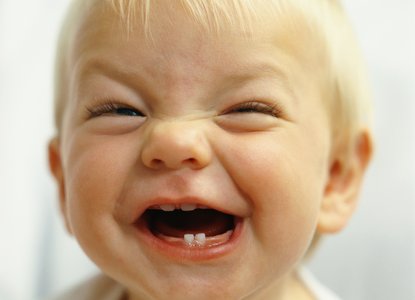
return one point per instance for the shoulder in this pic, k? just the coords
(99, 287)
(318, 290)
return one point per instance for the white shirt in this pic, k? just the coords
(319, 291)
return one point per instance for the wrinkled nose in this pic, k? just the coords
(176, 145)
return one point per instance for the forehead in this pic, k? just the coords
(169, 39)
(165, 28)
(107, 34)
(195, 21)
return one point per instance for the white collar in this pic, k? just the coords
(319, 291)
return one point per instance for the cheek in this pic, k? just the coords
(96, 171)
(282, 176)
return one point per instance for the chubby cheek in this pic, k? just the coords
(96, 170)
(282, 177)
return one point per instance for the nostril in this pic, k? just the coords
(156, 163)
(191, 161)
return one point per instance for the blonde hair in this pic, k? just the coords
(345, 89)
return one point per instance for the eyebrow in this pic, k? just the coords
(231, 80)
(95, 65)
(261, 70)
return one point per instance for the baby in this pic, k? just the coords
(202, 147)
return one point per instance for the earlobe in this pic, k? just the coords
(56, 168)
(55, 164)
(343, 185)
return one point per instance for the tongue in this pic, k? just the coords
(178, 223)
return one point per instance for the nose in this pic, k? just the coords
(176, 145)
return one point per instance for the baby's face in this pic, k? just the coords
(228, 132)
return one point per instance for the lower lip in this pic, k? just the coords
(184, 252)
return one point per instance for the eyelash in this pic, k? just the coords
(247, 107)
(112, 108)
(256, 107)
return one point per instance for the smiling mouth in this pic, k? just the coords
(189, 226)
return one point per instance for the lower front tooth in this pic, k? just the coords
(200, 238)
(189, 238)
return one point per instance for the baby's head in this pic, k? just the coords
(202, 145)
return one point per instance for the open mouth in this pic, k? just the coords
(189, 225)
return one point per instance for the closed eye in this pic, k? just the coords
(255, 107)
(113, 109)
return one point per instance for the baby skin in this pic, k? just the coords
(197, 164)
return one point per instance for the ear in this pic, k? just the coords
(343, 185)
(56, 168)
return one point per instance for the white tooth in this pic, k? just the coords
(200, 238)
(167, 207)
(188, 207)
(189, 238)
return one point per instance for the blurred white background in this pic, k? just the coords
(374, 258)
